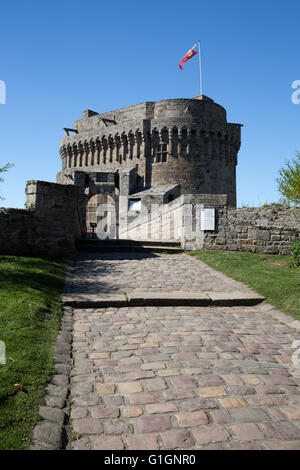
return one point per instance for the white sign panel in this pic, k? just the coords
(2, 353)
(135, 205)
(207, 219)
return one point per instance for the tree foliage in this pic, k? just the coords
(295, 252)
(2, 170)
(289, 180)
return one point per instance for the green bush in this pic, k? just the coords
(281, 204)
(295, 252)
(289, 180)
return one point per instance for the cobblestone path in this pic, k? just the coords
(117, 272)
(179, 377)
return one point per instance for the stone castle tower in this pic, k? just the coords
(150, 176)
(182, 143)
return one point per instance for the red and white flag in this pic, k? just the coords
(188, 55)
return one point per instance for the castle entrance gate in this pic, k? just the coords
(101, 217)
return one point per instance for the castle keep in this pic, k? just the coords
(166, 149)
(180, 141)
(156, 171)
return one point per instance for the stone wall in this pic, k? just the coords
(53, 221)
(177, 220)
(160, 222)
(269, 230)
(49, 225)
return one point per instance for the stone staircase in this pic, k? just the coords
(119, 245)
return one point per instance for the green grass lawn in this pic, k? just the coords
(269, 275)
(30, 311)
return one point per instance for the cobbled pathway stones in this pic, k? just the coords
(118, 272)
(178, 377)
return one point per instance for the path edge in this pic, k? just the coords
(51, 432)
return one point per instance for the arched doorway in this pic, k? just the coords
(101, 217)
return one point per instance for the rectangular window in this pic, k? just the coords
(162, 153)
(135, 205)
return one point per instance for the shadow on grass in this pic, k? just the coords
(18, 272)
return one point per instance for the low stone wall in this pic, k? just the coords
(52, 222)
(160, 222)
(270, 230)
(178, 220)
(48, 227)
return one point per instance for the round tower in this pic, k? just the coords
(176, 141)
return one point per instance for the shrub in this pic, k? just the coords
(295, 252)
(289, 180)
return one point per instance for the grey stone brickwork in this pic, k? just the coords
(177, 141)
(270, 230)
(175, 154)
(48, 227)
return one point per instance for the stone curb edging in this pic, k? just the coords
(281, 317)
(50, 434)
(91, 301)
(161, 299)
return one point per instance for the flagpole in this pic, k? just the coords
(200, 67)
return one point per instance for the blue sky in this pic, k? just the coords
(61, 57)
